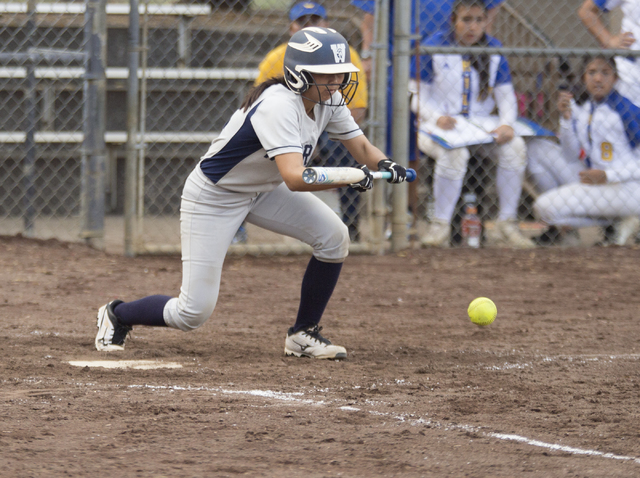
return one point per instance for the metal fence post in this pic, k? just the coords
(131, 233)
(379, 85)
(94, 147)
(29, 161)
(399, 136)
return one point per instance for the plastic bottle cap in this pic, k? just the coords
(469, 197)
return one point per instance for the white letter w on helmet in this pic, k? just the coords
(339, 52)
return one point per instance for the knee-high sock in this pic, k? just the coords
(446, 193)
(146, 311)
(509, 186)
(318, 283)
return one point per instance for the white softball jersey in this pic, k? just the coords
(237, 180)
(449, 86)
(608, 132)
(628, 67)
(242, 158)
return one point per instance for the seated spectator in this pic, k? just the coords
(471, 87)
(328, 153)
(432, 16)
(628, 68)
(606, 129)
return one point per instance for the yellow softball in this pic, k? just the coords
(482, 311)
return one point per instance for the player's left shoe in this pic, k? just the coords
(626, 230)
(309, 343)
(508, 233)
(111, 332)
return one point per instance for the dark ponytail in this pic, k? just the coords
(256, 91)
(481, 63)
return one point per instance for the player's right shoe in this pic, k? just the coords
(111, 332)
(438, 234)
(309, 343)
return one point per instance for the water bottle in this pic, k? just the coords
(471, 225)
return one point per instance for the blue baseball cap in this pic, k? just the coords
(306, 8)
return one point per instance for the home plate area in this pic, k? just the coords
(550, 388)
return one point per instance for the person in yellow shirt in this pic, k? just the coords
(330, 153)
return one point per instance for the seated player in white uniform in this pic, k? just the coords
(606, 129)
(628, 67)
(253, 172)
(453, 85)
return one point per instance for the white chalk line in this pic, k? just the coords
(580, 358)
(294, 397)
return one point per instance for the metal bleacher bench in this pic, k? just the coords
(57, 11)
(111, 8)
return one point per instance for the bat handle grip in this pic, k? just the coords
(411, 175)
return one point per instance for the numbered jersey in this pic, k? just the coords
(609, 133)
(242, 157)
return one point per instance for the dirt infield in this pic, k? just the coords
(552, 388)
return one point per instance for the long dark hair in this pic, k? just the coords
(580, 93)
(256, 91)
(482, 62)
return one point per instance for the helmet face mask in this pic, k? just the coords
(322, 51)
(317, 88)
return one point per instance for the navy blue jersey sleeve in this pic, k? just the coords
(630, 115)
(601, 4)
(426, 68)
(426, 61)
(491, 4)
(504, 73)
(367, 6)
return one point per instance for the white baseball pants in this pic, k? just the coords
(580, 205)
(209, 219)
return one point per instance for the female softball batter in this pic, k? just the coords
(606, 128)
(253, 172)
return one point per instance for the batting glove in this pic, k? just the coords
(398, 173)
(366, 183)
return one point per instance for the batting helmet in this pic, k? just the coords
(323, 51)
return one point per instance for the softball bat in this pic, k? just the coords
(345, 175)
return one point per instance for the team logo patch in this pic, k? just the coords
(339, 52)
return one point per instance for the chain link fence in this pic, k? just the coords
(196, 61)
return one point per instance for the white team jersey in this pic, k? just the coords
(630, 21)
(628, 67)
(609, 141)
(447, 87)
(445, 74)
(242, 157)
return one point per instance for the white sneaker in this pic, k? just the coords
(570, 238)
(111, 333)
(626, 230)
(509, 233)
(309, 343)
(438, 234)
